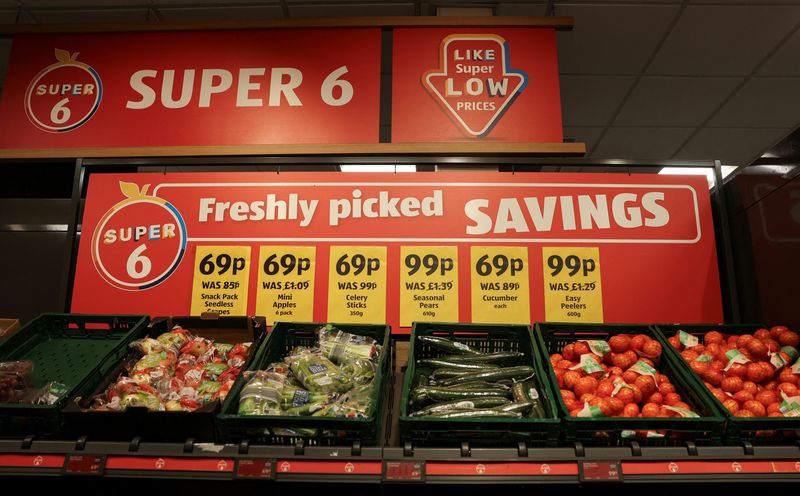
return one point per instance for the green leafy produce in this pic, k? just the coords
(342, 347)
(318, 374)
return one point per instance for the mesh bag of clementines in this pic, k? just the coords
(616, 385)
(751, 371)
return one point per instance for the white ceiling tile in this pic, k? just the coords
(611, 39)
(586, 135)
(94, 15)
(734, 146)
(592, 100)
(762, 102)
(217, 13)
(655, 143)
(351, 10)
(674, 101)
(520, 9)
(723, 40)
(784, 62)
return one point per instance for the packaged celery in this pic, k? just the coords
(341, 347)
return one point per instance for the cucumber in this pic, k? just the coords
(439, 363)
(448, 345)
(538, 408)
(497, 357)
(470, 404)
(520, 372)
(518, 389)
(449, 373)
(435, 394)
(478, 413)
(479, 385)
(518, 407)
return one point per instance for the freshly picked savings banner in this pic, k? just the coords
(497, 85)
(381, 248)
(215, 88)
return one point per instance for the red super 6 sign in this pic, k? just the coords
(468, 84)
(192, 89)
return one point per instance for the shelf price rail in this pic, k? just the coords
(356, 464)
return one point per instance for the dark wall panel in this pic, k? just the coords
(34, 270)
(765, 222)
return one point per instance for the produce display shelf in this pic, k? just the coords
(395, 464)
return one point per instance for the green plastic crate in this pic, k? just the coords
(757, 430)
(705, 430)
(490, 432)
(76, 350)
(162, 426)
(271, 429)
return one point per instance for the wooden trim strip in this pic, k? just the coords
(449, 149)
(559, 23)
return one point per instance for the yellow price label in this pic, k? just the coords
(572, 288)
(428, 284)
(500, 289)
(357, 284)
(221, 278)
(285, 291)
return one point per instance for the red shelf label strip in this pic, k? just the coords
(171, 464)
(711, 467)
(404, 471)
(32, 461)
(83, 464)
(500, 469)
(326, 467)
(254, 468)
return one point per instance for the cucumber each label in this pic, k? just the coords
(285, 290)
(500, 288)
(428, 284)
(357, 284)
(572, 288)
(221, 279)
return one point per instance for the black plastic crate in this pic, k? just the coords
(489, 432)
(76, 350)
(757, 430)
(705, 430)
(162, 426)
(321, 431)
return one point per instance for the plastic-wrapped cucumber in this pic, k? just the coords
(470, 404)
(497, 357)
(520, 372)
(449, 373)
(448, 345)
(488, 412)
(521, 408)
(438, 362)
(423, 395)
(479, 385)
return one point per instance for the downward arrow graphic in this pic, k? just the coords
(473, 83)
